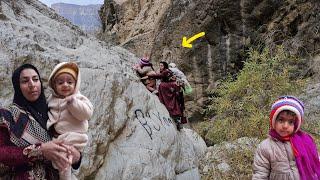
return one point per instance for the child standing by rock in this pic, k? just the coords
(69, 110)
(288, 152)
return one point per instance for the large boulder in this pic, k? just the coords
(131, 133)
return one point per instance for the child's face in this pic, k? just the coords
(64, 84)
(284, 124)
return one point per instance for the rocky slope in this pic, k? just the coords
(131, 133)
(86, 17)
(231, 27)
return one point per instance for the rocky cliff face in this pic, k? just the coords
(131, 133)
(86, 17)
(231, 27)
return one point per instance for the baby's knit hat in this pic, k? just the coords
(144, 61)
(290, 103)
(70, 68)
(172, 65)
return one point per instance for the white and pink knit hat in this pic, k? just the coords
(290, 103)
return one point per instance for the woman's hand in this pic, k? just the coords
(55, 152)
(75, 154)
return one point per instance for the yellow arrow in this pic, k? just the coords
(187, 43)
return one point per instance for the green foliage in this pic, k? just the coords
(241, 106)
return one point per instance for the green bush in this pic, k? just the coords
(241, 106)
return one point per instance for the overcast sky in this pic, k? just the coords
(79, 2)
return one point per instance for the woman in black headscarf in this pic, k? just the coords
(170, 93)
(26, 149)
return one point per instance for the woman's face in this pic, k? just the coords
(161, 67)
(30, 84)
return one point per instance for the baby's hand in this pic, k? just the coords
(69, 99)
(135, 67)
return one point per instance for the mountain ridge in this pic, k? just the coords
(83, 2)
(84, 16)
(77, 5)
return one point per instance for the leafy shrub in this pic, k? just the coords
(241, 106)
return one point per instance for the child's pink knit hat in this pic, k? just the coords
(290, 103)
(144, 61)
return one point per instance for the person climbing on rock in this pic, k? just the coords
(144, 68)
(181, 78)
(170, 93)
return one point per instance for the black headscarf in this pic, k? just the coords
(167, 74)
(39, 108)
